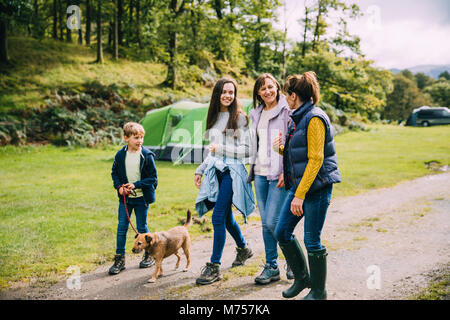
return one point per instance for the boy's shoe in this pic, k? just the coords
(209, 274)
(242, 255)
(119, 264)
(147, 261)
(268, 275)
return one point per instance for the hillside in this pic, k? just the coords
(41, 67)
(432, 71)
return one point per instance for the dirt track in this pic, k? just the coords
(403, 232)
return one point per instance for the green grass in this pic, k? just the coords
(58, 207)
(387, 155)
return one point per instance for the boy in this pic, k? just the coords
(133, 169)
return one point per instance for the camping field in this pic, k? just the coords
(58, 207)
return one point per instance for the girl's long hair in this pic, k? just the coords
(305, 86)
(214, 106)
(257, 100)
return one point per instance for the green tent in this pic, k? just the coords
(176, 132)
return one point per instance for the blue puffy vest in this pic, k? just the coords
(297, 150)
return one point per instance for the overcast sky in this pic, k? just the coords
(394, 33)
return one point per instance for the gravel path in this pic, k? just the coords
(383, 244)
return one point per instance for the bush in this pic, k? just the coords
(88, 116)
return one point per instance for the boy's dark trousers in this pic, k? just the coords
(140, 209)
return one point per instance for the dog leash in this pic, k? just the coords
(125, 193)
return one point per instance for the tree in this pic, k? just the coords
(88, 22)
(404, 98)
(445, 75)
(440, 92)
(422, 80)
(138, 23)
(12, 11)
(116, 32)
(99, 33)
(176, 9)
(55, 19)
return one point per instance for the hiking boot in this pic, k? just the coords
(318, 269)
(289, 273)
(242, 255)
(119, 264)
(268, 275)
(209, 274)
(147, 261)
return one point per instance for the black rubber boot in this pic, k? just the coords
(318, 268)
(119, 264)
(296, 260)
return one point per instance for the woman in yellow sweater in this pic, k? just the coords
(310, 170)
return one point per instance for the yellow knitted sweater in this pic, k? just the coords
(316, 141)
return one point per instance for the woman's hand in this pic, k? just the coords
(280, 183)
(213, 148)
(297, 207)
(198, 180)
(277, 142)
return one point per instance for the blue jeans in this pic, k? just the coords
(222, 217)
(140, 210)
(315, 208)
(269, 199)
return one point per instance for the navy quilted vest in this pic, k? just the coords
(297, 150)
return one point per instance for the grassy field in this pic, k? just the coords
(58, 207)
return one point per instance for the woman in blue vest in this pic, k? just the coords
(310, 170)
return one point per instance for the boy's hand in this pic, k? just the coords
(130, 186)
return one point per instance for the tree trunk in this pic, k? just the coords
(99, 33)
(130, 23)
(171, 79)
(138, 23)
(69, 32)
(120, 18)
(116, 33)
(55, 20)
(172, 68)
(305, 31)
(61, 22)
(316, 31)
(4, 58)
(257, 49)
(88, 23)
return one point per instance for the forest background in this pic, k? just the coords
(125, 57)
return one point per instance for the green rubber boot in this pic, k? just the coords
(296, 260)
(318, 269)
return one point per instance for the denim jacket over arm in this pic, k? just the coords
(243, 197)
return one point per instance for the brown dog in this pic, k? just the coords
(160, 245)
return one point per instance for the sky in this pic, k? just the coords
(394, 33)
